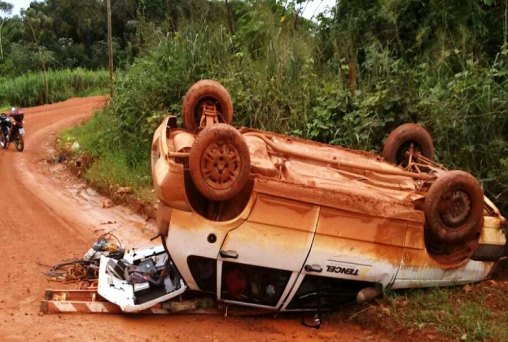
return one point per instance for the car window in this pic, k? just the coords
(253, 284)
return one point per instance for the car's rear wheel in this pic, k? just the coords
(219, 162)
(406, 138)
(454, 208)
(202, 95)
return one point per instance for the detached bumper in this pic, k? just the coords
(139, 292)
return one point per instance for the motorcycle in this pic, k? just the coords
(11, 129)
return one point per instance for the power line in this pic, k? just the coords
(313, 14)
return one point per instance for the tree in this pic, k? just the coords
(6, 8)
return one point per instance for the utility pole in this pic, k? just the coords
(110, 44)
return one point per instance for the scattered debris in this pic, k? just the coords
(86, 269)
(57, 158)
(124, 190)
(108, 222)
(84, 161)
(75, 147)
(468, 288)
(91, 192)
(107, 203)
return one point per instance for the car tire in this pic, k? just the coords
(206, 91)
(400, 140)
(453, 207)
(219, 162)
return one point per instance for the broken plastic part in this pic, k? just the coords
(148, 265)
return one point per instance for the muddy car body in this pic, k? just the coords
(280, 223)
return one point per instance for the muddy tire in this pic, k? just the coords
(206, 92)
(219, 162)
(454, 208)
(3, 142)
(20, 144)
(402, 138)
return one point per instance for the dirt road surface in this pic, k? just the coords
(46, 217)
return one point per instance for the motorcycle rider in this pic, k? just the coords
(5, 123)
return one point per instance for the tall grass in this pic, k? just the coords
(38, 88)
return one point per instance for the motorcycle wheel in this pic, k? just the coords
(3, 141)
(20, 144)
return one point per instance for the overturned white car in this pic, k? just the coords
(264, 220)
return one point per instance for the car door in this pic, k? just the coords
(259, 261)
(351, 252)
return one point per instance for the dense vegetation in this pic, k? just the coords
(55, 34)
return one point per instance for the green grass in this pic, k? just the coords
(470, 313)
(38, 88)
(111, 167)
(113, 170)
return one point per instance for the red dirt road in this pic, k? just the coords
(42, 222)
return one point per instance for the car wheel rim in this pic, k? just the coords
(455, 207)
(220, 165)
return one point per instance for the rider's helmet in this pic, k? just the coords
(14, 110)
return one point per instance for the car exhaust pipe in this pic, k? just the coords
(368, 293)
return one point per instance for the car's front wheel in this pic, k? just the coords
(219, 162)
